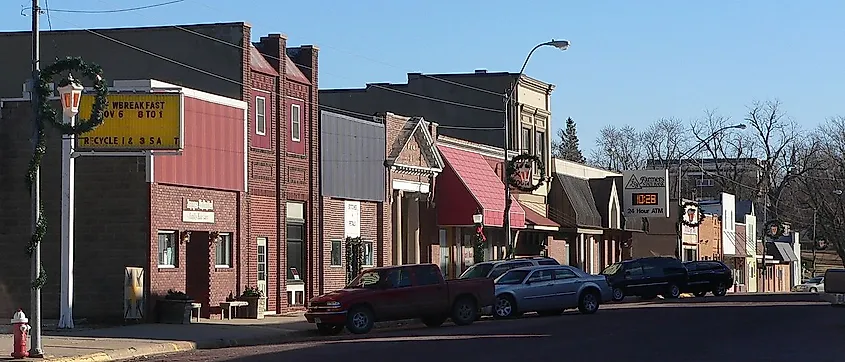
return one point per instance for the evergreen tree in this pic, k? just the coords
(566, 147)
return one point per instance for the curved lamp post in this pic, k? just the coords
(506, 221)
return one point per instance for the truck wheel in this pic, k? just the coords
(672, 291)
(720, 290)
(464, 311)
(359, 320)
(329, 329)
(589, 302)
(433, 321)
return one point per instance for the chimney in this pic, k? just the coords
(481, 71)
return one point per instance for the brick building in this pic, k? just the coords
(277, 225)
(378, 178)
(157, 212)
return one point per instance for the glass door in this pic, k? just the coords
(262, 266)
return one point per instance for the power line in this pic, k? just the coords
(112, 11)
(243, 48)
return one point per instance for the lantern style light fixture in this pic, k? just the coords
(478, 218)
(70, 92)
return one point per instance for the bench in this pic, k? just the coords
(196, 307)
(226, 308)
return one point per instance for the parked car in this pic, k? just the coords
(708, 276)
(834, 287)
(647, 277)
(494, 269)
(549, 290)
(400, 292)
(812, 285)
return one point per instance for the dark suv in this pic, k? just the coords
(647, 278)
(708, 276)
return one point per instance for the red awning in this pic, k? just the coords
(536, 221)
(468, 185)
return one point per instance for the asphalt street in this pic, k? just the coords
(699, 329)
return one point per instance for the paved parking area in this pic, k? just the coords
(734, 328)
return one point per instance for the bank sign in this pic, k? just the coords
(135, 122)
(645, 193)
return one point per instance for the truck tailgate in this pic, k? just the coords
(482, 289)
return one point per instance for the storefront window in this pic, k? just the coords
(295, 252)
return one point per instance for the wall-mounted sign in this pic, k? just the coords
(352, 219)
(646, 193)
(136, 122)
(198, 211)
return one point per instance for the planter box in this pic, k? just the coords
(173, 311)
(256, 308)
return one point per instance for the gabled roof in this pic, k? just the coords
(416, 128)
(577, 191)
(292, 71)
(601, 188)
(258, 63)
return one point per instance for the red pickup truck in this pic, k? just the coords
(397, 293)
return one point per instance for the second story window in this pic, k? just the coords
(260, 116)
(540, 145)
(295, 123)
(526, 140)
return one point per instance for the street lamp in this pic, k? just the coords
(680, 245)
(506, 221)
(70, 93)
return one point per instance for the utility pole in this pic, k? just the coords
(762, 278)
(35, 294)
(506, 221)
(814, 244)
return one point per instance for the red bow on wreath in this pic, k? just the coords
(479, 230)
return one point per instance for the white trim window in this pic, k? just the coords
(368, 253)
(223, 251)
(260, 116)
(167, 249)
(295, 122)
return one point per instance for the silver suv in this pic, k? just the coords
(493, 269)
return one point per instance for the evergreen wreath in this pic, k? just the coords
(46, 114)
(478, 248)
(354, 257)
(768, 229)
(697, 210)
(513, 181)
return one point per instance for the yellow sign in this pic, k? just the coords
(135, 122)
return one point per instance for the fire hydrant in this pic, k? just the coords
(20, 326)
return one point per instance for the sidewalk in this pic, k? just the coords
(116, 343)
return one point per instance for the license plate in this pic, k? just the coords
(317, 320)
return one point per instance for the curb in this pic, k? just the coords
(153, 349)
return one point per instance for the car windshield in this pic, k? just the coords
(477, 271)
(612, 269)
(512, 277)
(367, 280)
(815, 280)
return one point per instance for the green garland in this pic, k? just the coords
(479, 246)
(354, 257)
(683, 213)
(46, 114)
(513, 181)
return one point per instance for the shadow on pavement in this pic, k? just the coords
(649, 334)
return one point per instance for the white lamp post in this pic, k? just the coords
(70, 92)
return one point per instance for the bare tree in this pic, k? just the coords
(664, 141)
(820, 182)
(729, 153)
(618, 148)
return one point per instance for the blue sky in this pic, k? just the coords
(631, 62)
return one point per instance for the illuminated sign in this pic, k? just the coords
(645, 193)
(643, 199)
(135, 122)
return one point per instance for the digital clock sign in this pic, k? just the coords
(644, 199)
